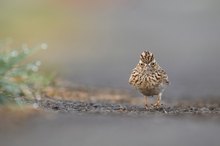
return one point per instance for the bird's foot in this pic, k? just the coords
(157, 105)
(146, 106)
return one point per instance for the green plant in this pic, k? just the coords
(19, 77)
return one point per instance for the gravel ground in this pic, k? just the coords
(105, 108)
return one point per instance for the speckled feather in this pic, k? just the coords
(148, 77)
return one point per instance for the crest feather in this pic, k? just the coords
(147, 57)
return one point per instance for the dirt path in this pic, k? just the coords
(124, 108)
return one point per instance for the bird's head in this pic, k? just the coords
(147, 57)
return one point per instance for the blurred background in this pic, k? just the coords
(97, 43)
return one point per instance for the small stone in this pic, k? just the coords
(55, 108)
(211, 108)
(204, 109)
(35, 105)
(164, 111)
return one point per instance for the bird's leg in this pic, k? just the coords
(157, 104)
(146, 102)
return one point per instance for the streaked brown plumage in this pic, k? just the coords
(148, 77)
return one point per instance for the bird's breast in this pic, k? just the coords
(152, 91)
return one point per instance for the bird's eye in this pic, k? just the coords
(152, 64)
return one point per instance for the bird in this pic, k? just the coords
(149, 78)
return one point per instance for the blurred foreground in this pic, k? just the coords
(99, 130)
